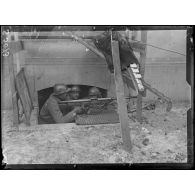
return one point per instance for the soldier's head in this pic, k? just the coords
(75, 92)
(94, 92)
(61, 91)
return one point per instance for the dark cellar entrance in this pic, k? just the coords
(44, 94)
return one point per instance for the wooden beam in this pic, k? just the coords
(35, 92)
(122, 108)
(89, 46)
(137, 46)
(143, 53)
(95, 28)
(16, 55)
(13, 91)
(24, 95)
(159, 94)
(142, 71)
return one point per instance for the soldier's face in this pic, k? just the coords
(63, 96)
(74, 95)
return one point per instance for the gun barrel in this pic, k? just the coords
(89, 100)
(85, 100)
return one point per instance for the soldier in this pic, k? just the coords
(94, 92)
(51, 111)
(75, 92)
(94, 107)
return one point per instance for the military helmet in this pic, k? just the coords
(94, 91)
(75, 88)
(60, 89)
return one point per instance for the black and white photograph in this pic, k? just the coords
(96, 95)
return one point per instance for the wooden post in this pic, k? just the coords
(143, 53)
(16, 55)
(13, 90)
(122, 108)
(36, 104)
(142, 71)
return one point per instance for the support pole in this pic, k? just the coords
(16, 55)
(122, 108)
(13, 90)
(36, 103)
(142, 71)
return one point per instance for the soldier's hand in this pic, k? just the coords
(78, 109)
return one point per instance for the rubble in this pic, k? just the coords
(180, 157)
(145, 142)
(154, 154)
(146, 131)
(69, 143)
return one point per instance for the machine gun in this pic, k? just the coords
(97, 105)
(90, 105)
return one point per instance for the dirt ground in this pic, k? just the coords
(162, 138)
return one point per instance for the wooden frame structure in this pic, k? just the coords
(122, 109)
(139, 47)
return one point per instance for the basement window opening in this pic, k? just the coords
(44, 94)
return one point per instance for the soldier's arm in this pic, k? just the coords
(57, 115)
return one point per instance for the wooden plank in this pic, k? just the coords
(136, 76)
(137, 46)
(143, 54)
(36, 111)
(13, 91)
(135, 70)
(36, 103)
(122, 108)
(16, 55)
(130, 82)
(142, 70)
(23, 92)
(134, 66)
(159, 94)
(89, 46)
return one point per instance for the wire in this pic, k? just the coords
(167, 50)
(160, 48)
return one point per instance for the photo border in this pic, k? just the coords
(125, 166)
